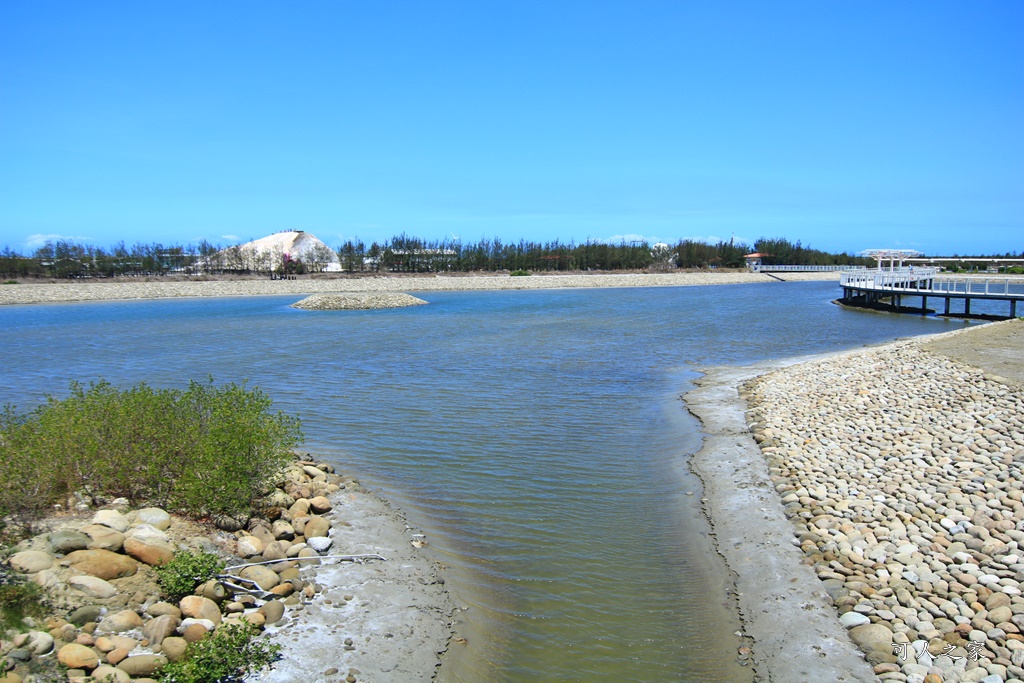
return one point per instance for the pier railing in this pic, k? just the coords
(1000, 286)
(895, 278)
(806, 269)
(927, 279)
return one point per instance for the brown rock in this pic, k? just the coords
(31, 561)
(159, 628)
(153, 553)
(198, 607)
(300, 508)
(124, 642)
(110, 674)
(249, 546)
(262, 532)
(103, 537)
(125, 620)
(158, 609)
(872, 637)
(117, 655)
(264, 577)
(174, 648)
(276, 550)
(256, 619)
(273, 610)
(320, 505)
(142, 665)
(194, 633)
(1000, 614)
(75, 656)
(283, 589)
(316, 527)
(104, 644)
(283, 530)
(101, 563)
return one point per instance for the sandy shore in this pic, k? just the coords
(99, 290)
(387, 621)
(887, 494)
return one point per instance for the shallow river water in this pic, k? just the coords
(537, 437)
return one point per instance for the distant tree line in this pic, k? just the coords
(404, 253)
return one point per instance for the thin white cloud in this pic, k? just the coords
(631, 237)
(231, 238)
(715, 239)
(37, 240)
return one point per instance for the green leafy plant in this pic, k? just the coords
(185, 571)
(226, 656)
(10, 282)
(18, 600)
(520, 272)
(203, 451)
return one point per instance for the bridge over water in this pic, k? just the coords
(883, 287)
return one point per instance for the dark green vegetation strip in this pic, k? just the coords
(206, 450)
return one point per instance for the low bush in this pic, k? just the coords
(225, 657)
(520, 272)
(18, 600)
(202, 451)
(185, 571)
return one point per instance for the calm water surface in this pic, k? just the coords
(537, 437)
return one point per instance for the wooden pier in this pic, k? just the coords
(888, 287)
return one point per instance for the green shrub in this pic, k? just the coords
(10, 282)
(225, 657)
(185, 571)
(520, 272)
(203, 451)
(18, 600)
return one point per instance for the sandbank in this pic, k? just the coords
(867, 537)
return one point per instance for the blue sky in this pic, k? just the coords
(844, 125)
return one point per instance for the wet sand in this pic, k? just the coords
(387, 621)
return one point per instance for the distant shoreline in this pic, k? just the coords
(166, 288)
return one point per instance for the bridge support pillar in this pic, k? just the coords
(924, 305)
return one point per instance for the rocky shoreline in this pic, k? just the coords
(356, 302)
(172, 287)
(316, 572)
(899, 471)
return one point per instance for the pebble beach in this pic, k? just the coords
(899, 469)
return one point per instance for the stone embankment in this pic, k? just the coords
(901, 470)
(356, 302)
(97, 570)
(164, 288)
